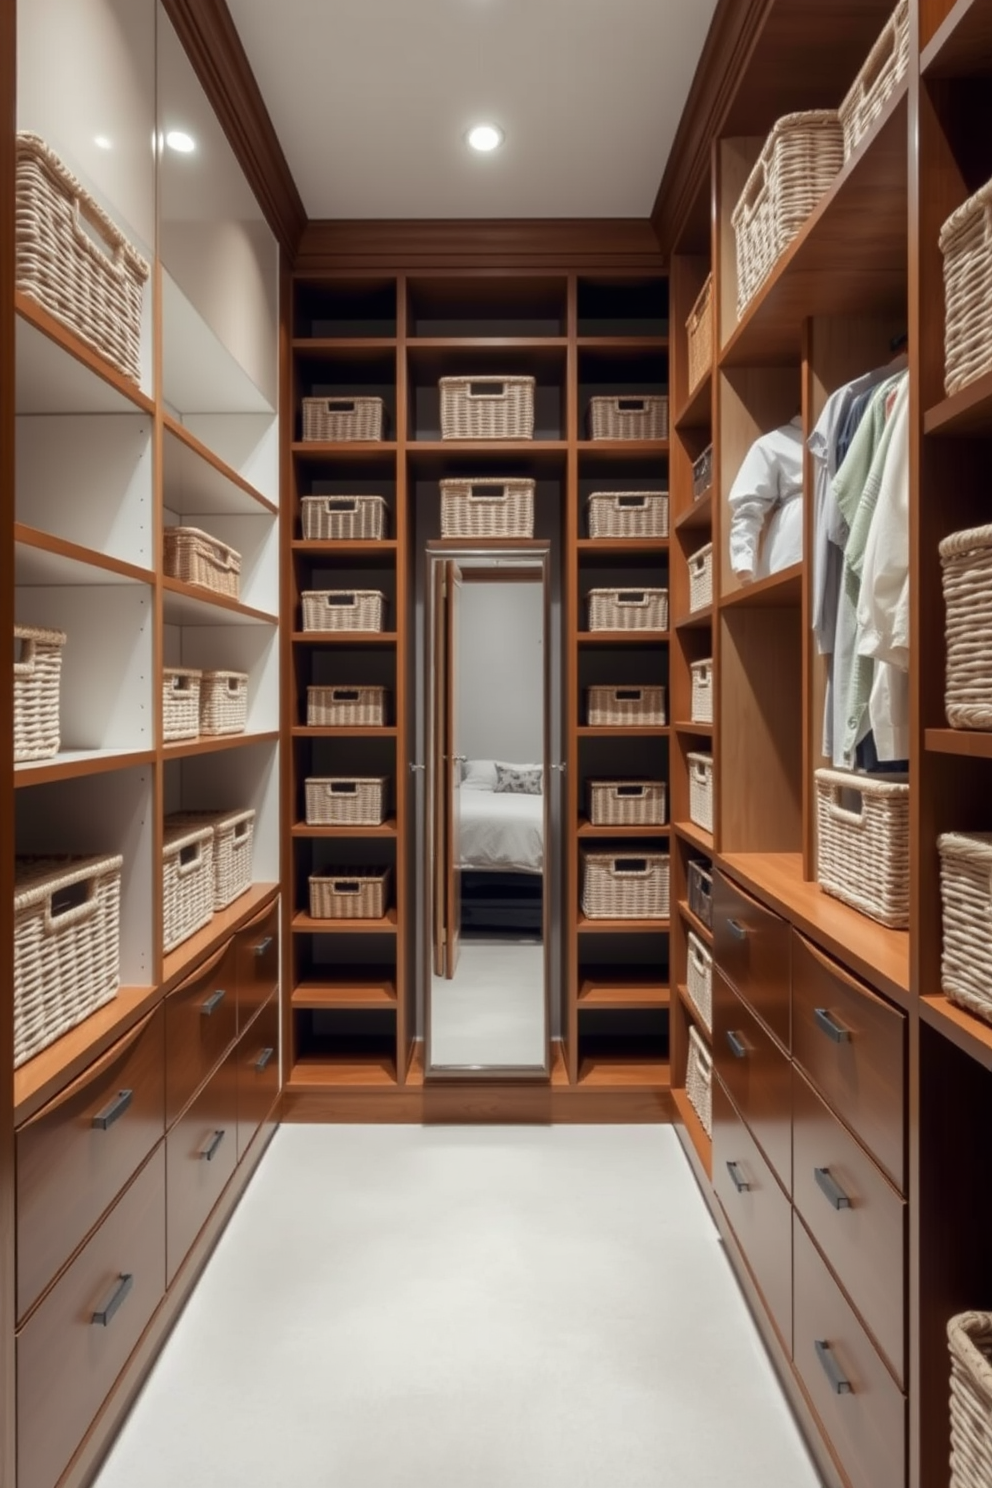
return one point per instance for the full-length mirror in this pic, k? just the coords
(488, 817)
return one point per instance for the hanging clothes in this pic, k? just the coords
(883, 600)
(766, 502)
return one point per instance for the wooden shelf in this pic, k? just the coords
(602, 1072)
(385, 829)
(75, 764)
(352, 1072)
(433, 458)
(639, 546)
(586, 829)
(622, 637)
(308, 451)
(695, 923)
(975, 743)
(705, 730)
(187, 748)
(190, 604)
(961, 1028)
(54, 389)
(778, 591)
(966, 413)
(54, 560)
(697, 620)
(322, 731)
(345, 995)
(698, 408)
(586, 926)
(623, 343)
(962, 45)
(624, 449)
(623, 731)
(696, 836)
(702, 1144)
(698, 516)
(426, 348)
(203, 454)
(305, 924)
(324, 346)
(176, 964)
(602, 988)
(346, 637)
(370, 547)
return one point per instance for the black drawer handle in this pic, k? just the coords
(737, 930)
(741, 1184)
(213, 1002)
(831, 1369)
(737, 1046)
(263, 1059)
(210, 1151)
(828, 1024)
(262, 947)
(831, 1188)
(105, 1119)
(104, 1316)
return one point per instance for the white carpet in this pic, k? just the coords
(492, 1011)
(395, 1307)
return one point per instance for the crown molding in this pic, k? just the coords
(524, 243)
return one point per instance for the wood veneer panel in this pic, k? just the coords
(492, 246)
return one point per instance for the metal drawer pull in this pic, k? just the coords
(213, 1003)
(829, 1025)
(831, 1369)
(210, 1151)
(738, 930)
(106, 1118)
(105, 1315)
(263, 1059)
(831, 1188)
(741, 1184)
(262, 947)
(737, 1046)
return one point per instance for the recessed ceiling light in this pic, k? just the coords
(180, 141)
(102, 142)
(485, 137)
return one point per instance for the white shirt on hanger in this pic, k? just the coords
(883, 603)
(764, 500)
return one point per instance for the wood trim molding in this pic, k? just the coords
(556, 244)
(212, 43)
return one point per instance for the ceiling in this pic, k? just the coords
(371, 100)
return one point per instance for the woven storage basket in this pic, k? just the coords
(699, 980)
(625, 886)
(966, 560)
(884, 69)
(701, 579)
(701, 790)
(181, 702)
(969, 1338)
(628, 609)
(223, 703)
(699, 1081)
(187, 882)
(701, 892)
(346, 707)
(642, 417)
(966, 243)
(37, 679)
(628, 514)
(627, 803)
(699, 333)
(862, 854)
(966, 896)
(340, 802)
(342, 420)
(96, 288)
(702, 473)
(502, 507)
(343, 518)
(197, 558)
(701, 709)
(798, 161)
(343, 609)
(66, 945)
(350, 895)
(487, 407)
(233, 841)
(626, 707)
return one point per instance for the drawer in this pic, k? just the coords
(257, 953)
(258, 1073)
(851, 1044)
(201, 1023)
(77, 1342)
(855, 1216)
(760, 1214)
(201, 1154)
(859, 1404)
(751, 948)
(757, 1075)
(78, 1152)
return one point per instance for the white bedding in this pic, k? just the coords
(500, 832)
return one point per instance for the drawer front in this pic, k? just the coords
(856, 1217)
(851, 1044)
(751, 947)
(68, 1356)
(201, 1022)
(258, 1073)
(760, 1214)
(201, 1154)
(76, 1155)
(757, 1075)
(862, 1409)
(257, 951)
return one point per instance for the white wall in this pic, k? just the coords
(501, 672)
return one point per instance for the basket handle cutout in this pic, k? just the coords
(233, 685)
(71, 905)
(241, 829)
(634, 791)
(344, 695)
(189, 859)
(340, 405)
(696, 957)
(632, 405)
(852, 816)
(631, 597)
(754, 187)
(341, 504)
(223, 555)
(343, 788)
(628, 694)
(632, 503)
(488, 390)
(346, 886)
(633, 867)
(92, 231)
(880, 58)
(488, 493)
(181, 684)
(341, 601)
(25, 655)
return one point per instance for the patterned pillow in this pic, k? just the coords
(518, 781)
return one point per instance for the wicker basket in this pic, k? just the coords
(346, 707)
(187, 882)
(627, 803)
(625, 886)
(626, 707)
(884, 69)
(37, 679)
(96, 288)
(642, 417)
(343, 609)
(487, 407)
(699, 332)
(197, 558)
(701, 790)
(358, 894)
(966, 243)
(701, 578)
(699, 980)
(798, 161)
(233, 840)
(342, 420)
(628, 609)
(966, 559)
(66, 945)
(966, 895)
(862, 853)
(701, 709)
(343, 518)
(181, 702)
(502, 507)
(699, 1080)
(702, 473)
(628, 514)
(969, 1338)
(340, 802)
(223, 703)
(701, 892)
